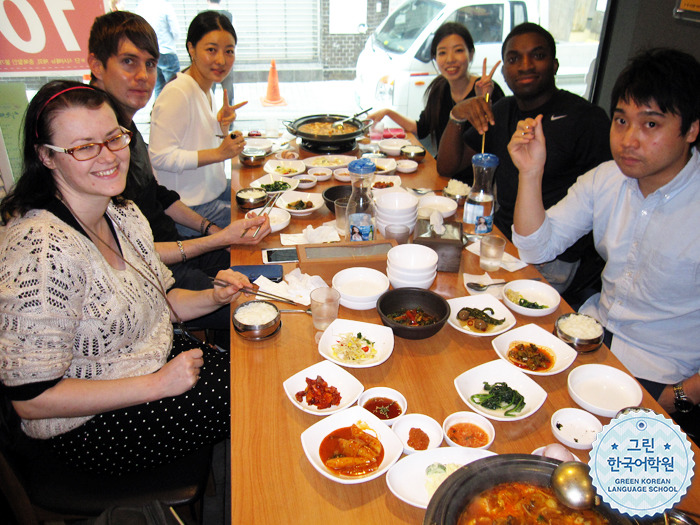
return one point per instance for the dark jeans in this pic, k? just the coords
(689, 423)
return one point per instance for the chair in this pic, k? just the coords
(38, 487)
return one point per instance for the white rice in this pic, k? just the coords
(256, 313)
(456, 187)
(581, 326)
(251, 193)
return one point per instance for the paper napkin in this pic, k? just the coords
(296, 286)
(311, 235)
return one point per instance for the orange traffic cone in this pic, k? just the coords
(273, 97)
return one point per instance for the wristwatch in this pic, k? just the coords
(681, 401)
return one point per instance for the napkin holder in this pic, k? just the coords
(448, 245)
(329, 258)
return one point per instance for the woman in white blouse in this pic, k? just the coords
(186, 151)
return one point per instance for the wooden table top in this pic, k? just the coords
(271, 479)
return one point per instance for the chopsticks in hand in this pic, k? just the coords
(268, 206)
(256, 291)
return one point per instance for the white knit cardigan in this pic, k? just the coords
(66, 313)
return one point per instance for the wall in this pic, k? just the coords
(638, 25)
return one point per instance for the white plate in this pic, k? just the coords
(575, 428)
(296, 167)
(349, 387)
(472, 382)
(293, 196)
(535, 292)
(269, 179)
(380, 335)
(480, 301)
(329, 161)
(384, 166)
(279, 219)
(395, 179)
(564, 355)
(264, 144)
(406, 479)
(312, 437)
(603, 390)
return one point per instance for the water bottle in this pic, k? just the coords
(478, 210)
(361, 223)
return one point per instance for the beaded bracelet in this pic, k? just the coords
(182, 251)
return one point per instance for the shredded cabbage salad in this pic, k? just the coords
(351, 348)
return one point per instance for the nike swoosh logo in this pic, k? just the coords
(557, 117)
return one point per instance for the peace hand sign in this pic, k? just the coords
(227, 113)
(485, 83)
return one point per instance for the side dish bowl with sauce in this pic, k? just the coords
(467, 429)
(387, 404)
(406, 428)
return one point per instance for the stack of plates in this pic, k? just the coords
(411, 265)
(397, 207)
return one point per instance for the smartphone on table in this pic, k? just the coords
(279, 255)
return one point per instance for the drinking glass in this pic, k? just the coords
(491, 252)
(341, 215)
(400, 232)
(324, 306)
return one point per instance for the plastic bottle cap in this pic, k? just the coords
(485, 160)
(362, 166)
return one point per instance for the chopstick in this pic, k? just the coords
(269, 204)
(251, 291)
(172, 510)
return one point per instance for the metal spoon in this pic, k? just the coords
(478, 287)
(421, 191)
(338, 124)
(573, 486)
(307, 311)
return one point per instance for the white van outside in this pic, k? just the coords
(394, 69)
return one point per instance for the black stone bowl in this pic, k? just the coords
(333, 193)
(409, 298)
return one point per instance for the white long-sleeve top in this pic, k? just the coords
(650, 298)
(182, 123)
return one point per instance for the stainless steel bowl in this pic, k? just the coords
(460, 199)
(251, 198)
(413, 155)
(256, 331)
(252, 157)
(579, 344)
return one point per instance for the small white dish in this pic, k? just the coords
(603, 390)
(279, 219)
(329, 161)
(387, 181)
(397, 203)
(289, 197)
(264, 144)
(472, 382)
(393, 146)
(382, 337)
(312, 437)
(306, 181)
(575, 428)
(389, 393)
(270, 179)
(427, 424)
(360, 284)
(535, 292)
(284, 168)
(407, 478)
(286, 155)
(406, 166)
(472, 418)
(341, 174)
(348, 387)
(384, 166)
(321, 174)
(480, 302)
(446, 206)
(563, 454)
(562, 353)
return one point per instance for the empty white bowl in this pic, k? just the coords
(389, 393)
(602, 389)
(406, 166)
(360, 285)
(447, 207)
(426, 423)
(412, 257)
(402, 273)
(393, 215)
(410, 283)
(396, 201)
(470, 418)
(393, 146)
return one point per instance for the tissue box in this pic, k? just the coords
(448, 245)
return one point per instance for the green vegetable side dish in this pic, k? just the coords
(278, 185)
(500, 396)
(518, 299)
(475, 313)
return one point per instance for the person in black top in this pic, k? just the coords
(123, 55)
(577, 140)
(452, 49)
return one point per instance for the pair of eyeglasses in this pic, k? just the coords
(92, 150)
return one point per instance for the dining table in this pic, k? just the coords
(272, 481)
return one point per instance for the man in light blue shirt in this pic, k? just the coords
(161, 16)
(644, 211)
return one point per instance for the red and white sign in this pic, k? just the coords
(43, 36)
